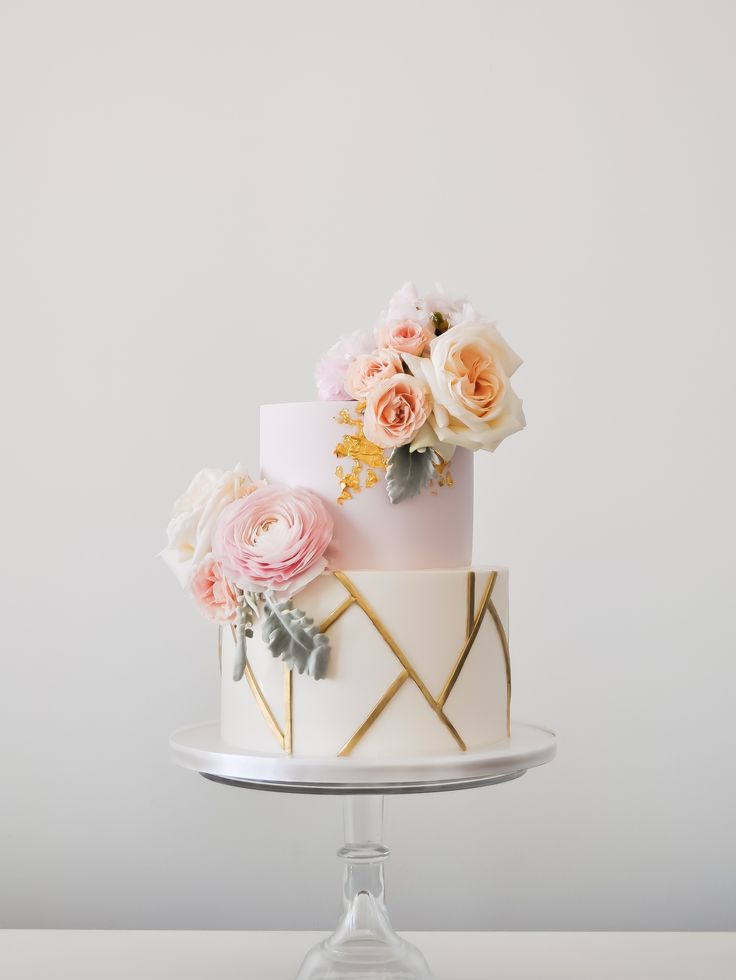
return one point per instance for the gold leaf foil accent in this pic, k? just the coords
(444, 475)
(366, 455)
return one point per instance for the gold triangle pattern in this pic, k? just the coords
(473, 623)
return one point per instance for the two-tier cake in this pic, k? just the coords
(350, 620)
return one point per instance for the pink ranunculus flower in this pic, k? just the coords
(396, 409)
(405, 336)
(212, 592)
(333, 365)
(273, 540)
(368, 369)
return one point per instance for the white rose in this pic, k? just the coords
(448, 304)
(405, 304)
(468, 371)
(195, 514)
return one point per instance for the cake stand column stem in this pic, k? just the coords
(363, 852)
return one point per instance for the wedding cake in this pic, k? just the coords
(350, 620)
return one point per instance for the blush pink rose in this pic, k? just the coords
(212, 592)
(405, 336)
(368, 369)
(395, 410)
(273, 540)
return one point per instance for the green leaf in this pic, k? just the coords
(291, 635)
(407, 473)
(247, 612)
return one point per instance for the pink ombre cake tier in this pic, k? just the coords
(432, 530)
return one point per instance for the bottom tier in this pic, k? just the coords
(419, 665)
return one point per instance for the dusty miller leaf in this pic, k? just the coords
(247, 612)
(291, 635)
(407, 473)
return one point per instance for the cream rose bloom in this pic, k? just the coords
(195, 514)
(468, 373)
(366, 370)
(405, 304)
(395, 410)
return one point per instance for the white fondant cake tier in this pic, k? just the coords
(432, 530)
(419, 665)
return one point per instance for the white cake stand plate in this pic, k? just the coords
(200, 748)
(364, 945)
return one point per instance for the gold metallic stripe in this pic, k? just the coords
(387, 696)
(263, 705)
(449, 726)
(288, 718)
(399, 654)
(336, 614)
(470, 618)
(260, 699)
(473, 624)
(493, 612)
(468, 645)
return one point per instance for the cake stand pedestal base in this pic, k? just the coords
(364, 946)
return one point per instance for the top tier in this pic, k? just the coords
(317, 445)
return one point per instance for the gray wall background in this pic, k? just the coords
(190, 189)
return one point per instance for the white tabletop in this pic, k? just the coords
(105, 955)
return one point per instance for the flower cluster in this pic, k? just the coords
(232, 537)
(433, 374)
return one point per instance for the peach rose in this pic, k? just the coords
(405, 336)
(368, 369)
(212, 592)
(332, 366)
(396, 409)
(468, 373)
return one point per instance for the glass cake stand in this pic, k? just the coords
(364, 946)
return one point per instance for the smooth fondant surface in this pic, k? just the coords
(426, 615)
(432, 530)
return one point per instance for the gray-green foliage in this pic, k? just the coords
(291, 635)
(407, 473)
(247, 612)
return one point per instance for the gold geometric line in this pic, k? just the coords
(468, 645)
(288, 718)
(376, 711)
(400, 655)
(336, 614)
(437, 708)
(507, 660)
(471, 604)
(260, 699)
(263, 705)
